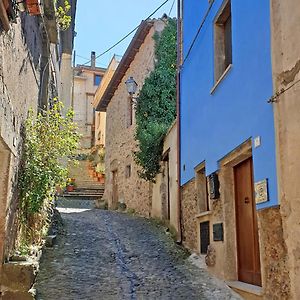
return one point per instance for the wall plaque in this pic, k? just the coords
(261, 191)
(218, 233)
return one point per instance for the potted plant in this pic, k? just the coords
(100, 173)
(70, 185)
(33, 7)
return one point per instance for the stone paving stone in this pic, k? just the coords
(107, 255)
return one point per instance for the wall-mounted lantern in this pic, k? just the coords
(131, 86)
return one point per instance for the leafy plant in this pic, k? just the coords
(62, 17)
(100, 169)
(50, 139)
(156, 105)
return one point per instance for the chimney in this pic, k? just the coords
(93, 59)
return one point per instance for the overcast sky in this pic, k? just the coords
(100, 24)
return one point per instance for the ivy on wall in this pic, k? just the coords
(156, 105)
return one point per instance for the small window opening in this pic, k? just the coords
(223, 41)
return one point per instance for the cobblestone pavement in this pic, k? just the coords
(109, 255)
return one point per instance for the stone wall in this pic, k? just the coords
(20, 53)
(275, 273)
(189, 211)
(285, 21)
(135, 192)
(23, 85)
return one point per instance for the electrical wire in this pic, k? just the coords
(198, 31)
(171, 8)
(282, 91)
(128, 34)
(103, 65)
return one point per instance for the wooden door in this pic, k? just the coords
(166, 198)
(114, 189)
(168, 188)
(247, 231)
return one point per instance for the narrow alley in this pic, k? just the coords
(109, 255)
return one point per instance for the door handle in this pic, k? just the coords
(247, 200)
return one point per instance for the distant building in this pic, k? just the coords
(86, 81)
(230, 204)
(100, 116)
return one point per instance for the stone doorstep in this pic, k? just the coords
(18, 276)
(246, 288)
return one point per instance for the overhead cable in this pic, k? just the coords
(128, 34)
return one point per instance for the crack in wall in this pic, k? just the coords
(288, 76)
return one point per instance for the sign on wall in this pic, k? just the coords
(261, 191)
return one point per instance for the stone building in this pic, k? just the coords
(29, 78)
(85, 83)
(100, 116)
(285, 17)
(123, 185)
(238, 192)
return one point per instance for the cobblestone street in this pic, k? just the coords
(109, 255)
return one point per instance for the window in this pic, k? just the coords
(129, 112)
(97, 79)
(128, 171)
(223, 41)
(202, 191)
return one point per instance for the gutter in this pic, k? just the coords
(179, 54)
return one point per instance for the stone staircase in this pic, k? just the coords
(85, 186)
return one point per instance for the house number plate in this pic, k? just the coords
(261, 191)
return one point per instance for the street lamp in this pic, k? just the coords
(131, 86)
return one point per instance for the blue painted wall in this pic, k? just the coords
(212, 125)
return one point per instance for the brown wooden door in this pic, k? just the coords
(115, 189)
(168, 188)
(247, 231)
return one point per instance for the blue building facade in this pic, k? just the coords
(219, 112)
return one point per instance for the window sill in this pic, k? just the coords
(203, 214)
(221, 78)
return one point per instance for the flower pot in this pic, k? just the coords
(70, 188)
(33, 7)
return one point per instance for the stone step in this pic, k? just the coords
(83, 195)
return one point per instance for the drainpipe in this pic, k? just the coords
(179, 60)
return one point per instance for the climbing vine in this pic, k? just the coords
(156, 105)
(50, 139)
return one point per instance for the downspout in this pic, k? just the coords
(179, 60)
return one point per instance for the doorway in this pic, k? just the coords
(166, 203)
(246, 222)
(115, 189)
